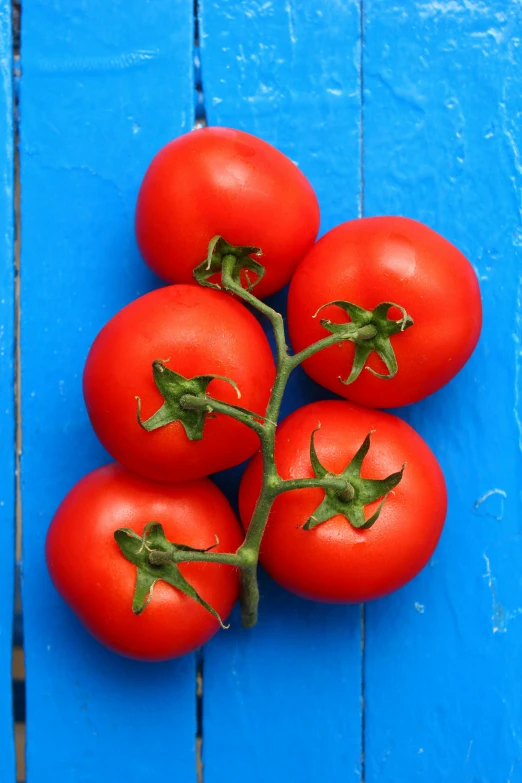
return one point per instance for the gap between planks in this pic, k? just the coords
(18, 665)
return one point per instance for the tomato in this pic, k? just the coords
(222, 181)
(334, 561)
(387, 259)
(98, 582)
(194, 331)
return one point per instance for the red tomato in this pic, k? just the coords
(222, 181)
(194, 331)
(98, 582)
(388, 259)
(334, 561)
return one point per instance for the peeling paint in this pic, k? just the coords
(517, 337)
(500, 617)
(116, 62)
(291, 26)
(491, 504)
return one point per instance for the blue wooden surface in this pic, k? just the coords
(103, 87)
(294, 682)
(431, 128)
(442, 143)
(7, 414)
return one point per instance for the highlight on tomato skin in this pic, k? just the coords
(193, 331)
(335, 562)
(221, 181)
(94, 578)
(370, 261)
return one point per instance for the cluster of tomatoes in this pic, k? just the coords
(414, 303)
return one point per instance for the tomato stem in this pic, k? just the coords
(186, 400)
(275, 318)
(320, 345)
(361, 332)
(272, 483)
(159, 557)
(335, 483)
(211, 405)
(249, 597)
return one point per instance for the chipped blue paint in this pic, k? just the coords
(7, 415)
(491, 504)
(103, 87)
(85, 65)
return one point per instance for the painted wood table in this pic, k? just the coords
(413, 108)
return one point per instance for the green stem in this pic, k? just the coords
(275, 318)
(276, 398)
(320, 345)
(341, 485)
(158, 557)
(209, 404)
(249, 549)
(249, 597)
(247, 556)
(272, 486)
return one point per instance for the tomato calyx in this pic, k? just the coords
(154, 557)
(173, 387)
(369, 330)
(230, 260)
(359, 491)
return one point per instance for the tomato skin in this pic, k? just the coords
(199, 331)
(222, 181)
(100, 591)
(388, 259)
(335, 562)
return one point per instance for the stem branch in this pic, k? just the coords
(339, 484)
(209, 404)
(320, 345)
(158, 557)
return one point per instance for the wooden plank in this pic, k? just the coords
(442, 143)
(7, 414)
(104, 86)
(283, 702)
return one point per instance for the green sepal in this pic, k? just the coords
(369, 330)
(172, 386)
(358, 494)
(361, 353)
(137, 550)
(218, 250)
